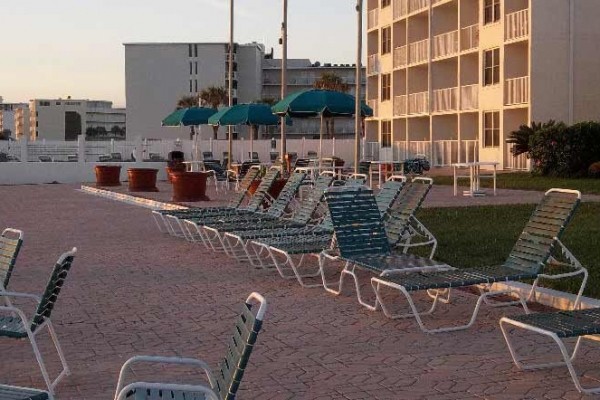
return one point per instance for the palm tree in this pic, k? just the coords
(521, 137)
(331, 81)
(214, 96)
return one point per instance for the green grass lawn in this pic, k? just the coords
(475, 236)
(526, 181)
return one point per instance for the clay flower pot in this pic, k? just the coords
(142, 179)
(189, 186)
(108, 175)
(173, 169)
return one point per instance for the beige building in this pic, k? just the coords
(452, 78)
(66, 119)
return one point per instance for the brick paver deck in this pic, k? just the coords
(135, 291)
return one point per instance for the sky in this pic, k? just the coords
(61, 48)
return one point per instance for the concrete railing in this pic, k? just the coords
(418, 5)
(469, 97)
(517, 91)
(418, 103)
(445, 99)
(400, 105)
(445, 45)
(418, 52)
(400, 8)
(400, 56)
(516, 25)
(469, 37)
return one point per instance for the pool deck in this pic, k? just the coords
(133, 290)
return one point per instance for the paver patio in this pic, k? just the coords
(133, 291)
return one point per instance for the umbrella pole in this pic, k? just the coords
(321, 143)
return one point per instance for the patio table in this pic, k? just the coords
(474, 175)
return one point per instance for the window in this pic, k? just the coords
(386, 87)
(190, 50)
(491, 11)
(386, 133)
(196, 85)
(191, 82)
(491, 67)
(491, 129)
(191, 68)
(385, 3)
(195, 50)
(386, 40)
(196, 66)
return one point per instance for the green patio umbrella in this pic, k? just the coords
(251, 114)
(192, 116)
(319, 103)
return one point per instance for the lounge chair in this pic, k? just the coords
(362, 240)
(11, 241)
(558, 326)
(531, 253)
(8, 392)
(165, 219)
(224, 385)
(210, 231)
(16, 325)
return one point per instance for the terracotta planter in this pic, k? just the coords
(142, 179)
(171, 170)
(189, 186)
(108, 175)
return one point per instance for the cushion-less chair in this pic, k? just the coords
(11, 241)
(14, 324)
(221, 386)
(8, 392)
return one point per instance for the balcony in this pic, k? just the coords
(373, 64)
(469, 38)
(400, 8)
(400, 57)
(516, 25)
(374, 104)
(515, 163)
(418, 103)
(517, 91)
(445, 100)
(418, 52)
(400, 105)
(418, 5)
(469, 97)
(445, 45)
(373, 19)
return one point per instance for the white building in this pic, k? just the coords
(157, 75)
(11, 115)
(451, 78)
(66, 119)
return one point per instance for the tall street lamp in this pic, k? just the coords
(358, 83)
(284, 77)
(230, 79)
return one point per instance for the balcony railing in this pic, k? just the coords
(445, 153)
(400, 105)
(517, 25)
(469, 37)
(517, 91)
(400, 8)
(373, 19)
(445, 45)
(373, 64)
(374, 104)
(418, 52)
(518, 163)
(418, 103)
(469, 151)
(400, 56)
(469, 97)
(418, 5)
(445, 99)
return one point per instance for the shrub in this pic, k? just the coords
(594, 170)
(566, 151)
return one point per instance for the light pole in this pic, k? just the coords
(230, 88)
(284, 78)
(358, 83)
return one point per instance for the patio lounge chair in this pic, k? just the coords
(279, 251)
(10, 244)
(558, 326)
(8, 392)
(531, 253)
(210, 231)
(222, 386)
(364, 244)
(16, 325)
(164, 217)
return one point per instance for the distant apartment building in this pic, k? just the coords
(11, 118)
(66, 119)
(453, 78)
(157, 75)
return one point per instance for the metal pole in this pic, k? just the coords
(284, 76)
(358, 94)
(230, 88)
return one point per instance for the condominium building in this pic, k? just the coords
(157, 75)
(66, 119)
(452, 78)
(12, 118)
